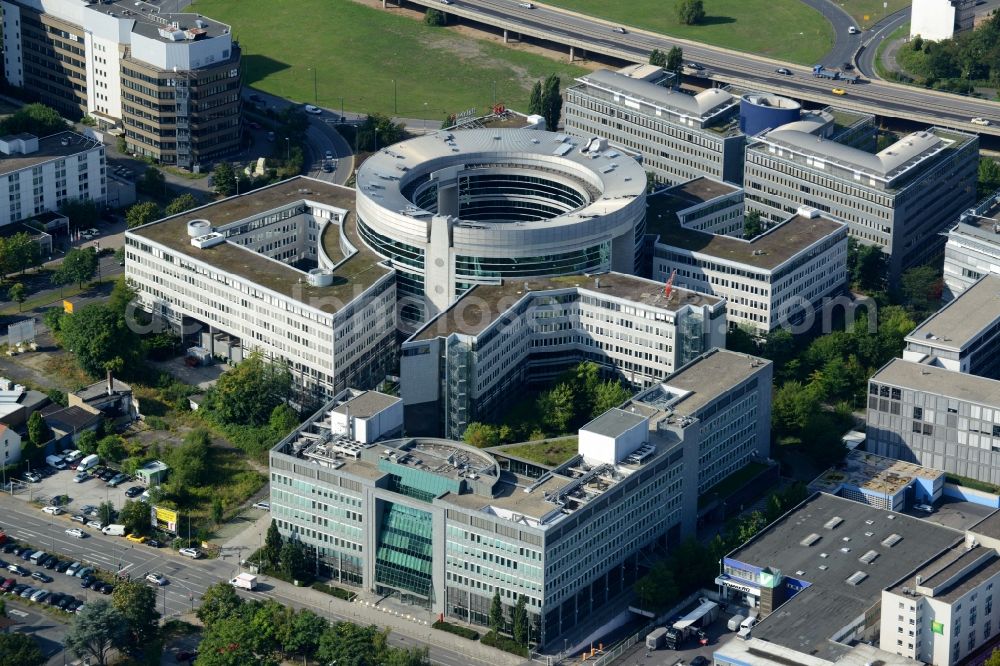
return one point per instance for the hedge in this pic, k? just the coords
(334, 591)
(456, 629)
(504, 643)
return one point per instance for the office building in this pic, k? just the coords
(935, 20)
(10, 445)
(780, 277)
(681, 136)
(454, 209)
(281, 270)
(38, 175)
(881, 482)
(973, 247)
(755, 652)
(170, 83)
(475, 358)
(445, 526)
(900, 198)
(964, 335)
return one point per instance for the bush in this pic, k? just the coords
(456, 629)
(504, 643)
(334, 591)
(156, 423)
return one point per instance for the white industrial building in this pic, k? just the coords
(280, 270)
(780, 277)
(935, 20)
(39, 175)
(473, 359)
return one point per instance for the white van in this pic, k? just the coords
(852, 30)
(72, 456)
(745, 627)
(113, 530)
(55, 461)
(90, 461)
(38, 556)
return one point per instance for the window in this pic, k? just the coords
(918, 412)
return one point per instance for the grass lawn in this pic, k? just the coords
(898, 33)
(358, 52)
(552, 452)
(783, 29)
(873, 9)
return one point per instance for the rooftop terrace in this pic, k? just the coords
(351, 277)
(767, 251)
(872, 472)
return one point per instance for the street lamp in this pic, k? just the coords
(395, 106)
(288, 153)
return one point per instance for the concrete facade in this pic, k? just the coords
(935, 20)
(973, 247)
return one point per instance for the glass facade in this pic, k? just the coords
(400, 253)
(403, 559)
(594, 259)
(506, 197)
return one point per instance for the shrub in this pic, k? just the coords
(156, 423)
(503, 643)
(456, 629)
(334, 591)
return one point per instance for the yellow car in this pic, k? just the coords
(135, 538)
(839, 91)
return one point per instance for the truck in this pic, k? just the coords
(248, 582)
(113, 530)
(834, 74)
(654, 639)
(703, 615)
(734, 622)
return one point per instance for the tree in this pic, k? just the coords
(96, 631)
(481, 435)
(921, 289)
(691, 12)
(36, 119)
(434, 17)
(17, 294)
(82, 213)
(121, 295)
(189, 462)
(18, 253)
(657, 590)
(136, 602)
(658, 58)
(675, 59)
(79, 265)
(917, 44)
(217, 510)
(378, 131)
(406, 657)
(135, 516)
(496, 618)
(348, 644)
(38, 430)
(232, 641)
(272, 544)
(520, 621)
(792, 407)
(988, 180)
(152, 182)
(100, 339)
(56, 396)
(142, 213)
(219, 601)
(180, 204)
(867, 265)
(283, 420)
(121, 145)
(248, 393)
(111, 448)
(752, 226)
(301, 633)
(535, 100)
(552, 102)
(106, 513)
(609, 394)
(17, 649)
(293, 560)
(557, 408)
(87, 442)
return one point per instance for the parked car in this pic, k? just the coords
(27, 592)
(63, 566)
(107, 588)
(64, 602)
(83, 571)
(134, 491)
(153, 543)
(18, 569)
(193, 553)
(135, 538)
(38, 575)
(9, 546)
(51, 563)
(96, 584)
(54, 599)
(87, 580)
(263, 506)
(53, 510)
(96, 524)
(79, 518)
(39, 595)
(71, 569)
(926, 508)
(76, 532)
(156, 578)
(73, 605)
(18, 589)
(33, 477)
(117, 480)
(7, 584)
(80, 477)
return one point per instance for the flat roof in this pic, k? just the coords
(486, 303)
(964, 319)
(701, 381)
(148, 20)
(947, 383)
(872, 472)
(703, 105)
(50, 148)
(953, 573)
(702, 189)
(614, 422)
(358, 273)
(767, 251)
(367, 404)
(756, 652)
(988, 526)
(808, 621)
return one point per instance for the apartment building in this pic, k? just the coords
(444, 525)
(781, 277)
(680, 136)
(170, 83)
(473, 359)
(900, 198)
(38, 175)
(973, 247)
(280, 270)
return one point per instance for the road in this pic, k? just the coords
(725, 66)
(188, 579)
(846, 44)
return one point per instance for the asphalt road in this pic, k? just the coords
(845, 44)
(729, 66)
(188, 579)
(874, 37)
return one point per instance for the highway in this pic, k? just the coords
(724, 66)
(188, 579)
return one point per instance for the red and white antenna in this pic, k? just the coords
(669, 286)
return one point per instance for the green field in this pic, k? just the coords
(873, 9)
(803, 37)
(359, 52)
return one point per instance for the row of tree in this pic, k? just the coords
(546, 101)
(18, 253)
(128, 624)
(267, 633)
(959, 63)
(145, 212)
(672, 60)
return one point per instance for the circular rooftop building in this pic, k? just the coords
(457, 208)
(759, 112)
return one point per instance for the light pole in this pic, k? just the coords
(288, 152)
(315, 89)
(395, 98)
(342, 119)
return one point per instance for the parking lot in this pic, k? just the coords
(92, 492)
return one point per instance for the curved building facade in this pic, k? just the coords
(759, 112)
(455, 209)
